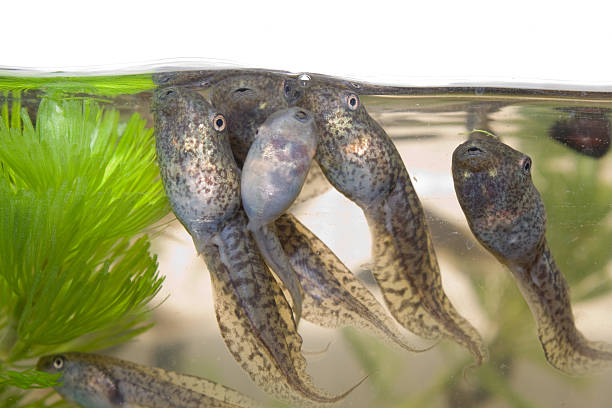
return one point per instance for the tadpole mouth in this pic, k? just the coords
(162, 97)
(166, 93)
(302, 116)
(474, 151)
(472, 148)
(243, 92)
(470, 155)
(163, 77)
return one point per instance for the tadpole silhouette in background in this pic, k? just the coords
(583, 129)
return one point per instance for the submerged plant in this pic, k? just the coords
(76, 189)
(98, 85)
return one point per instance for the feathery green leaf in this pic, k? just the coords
(77, 188)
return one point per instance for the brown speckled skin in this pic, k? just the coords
(199, 174)
(335, 297)
(255, 319)
(352, 152)
(271, 250)
(349, 301)
(200, 178)
(248, 100)
(96, 381)
(273, 174)
(360, 161)
(505, 212)
(205, 78)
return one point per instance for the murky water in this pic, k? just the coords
(567, 135)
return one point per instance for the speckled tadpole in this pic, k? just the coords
(272, 177)
(277, 164)
(360, 161)
(505, 212)
(96, 381)
(333, 296)
(201, 180)
(248, 99)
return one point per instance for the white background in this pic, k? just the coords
(390, 42)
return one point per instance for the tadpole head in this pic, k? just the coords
(83, 380)
(494, 188)
(51, 364)
(244, 92)
(166, 100)
(293, 90)
(486, 173)
(291, 125)
(172, 104)
(198, 79)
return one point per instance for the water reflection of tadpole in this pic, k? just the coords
(584, 129)
(478, 114)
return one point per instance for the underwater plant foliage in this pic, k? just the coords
(77, 188)
(98, 85)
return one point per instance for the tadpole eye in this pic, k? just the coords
(352, 101)
(526, 164)
(219, 123)
(58, 362)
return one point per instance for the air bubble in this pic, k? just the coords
(304, 79)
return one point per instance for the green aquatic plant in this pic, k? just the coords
(77, 189)
(97, 85)
(27, 379)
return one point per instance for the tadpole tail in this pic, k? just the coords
(333, 296)
(276, 258)
(407, 271)
(547, 294)
(255, 319)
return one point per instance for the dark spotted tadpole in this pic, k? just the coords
(272, 177)
(583, 129)
(360, 160)
(201, 180)
(248, 99)
(198, 171)
(333, 297)
(506, 214)
(97, 381)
